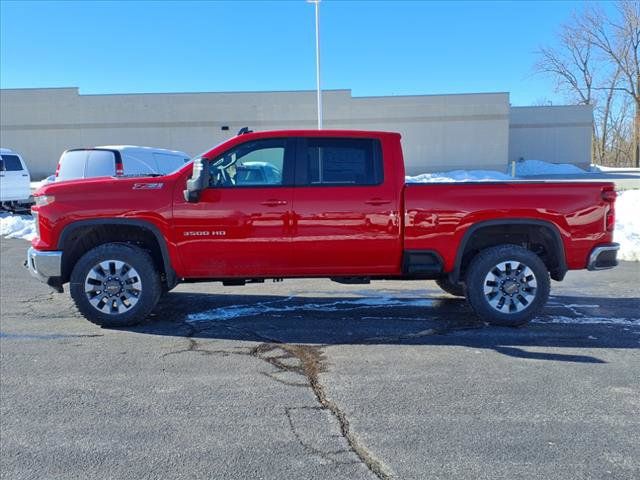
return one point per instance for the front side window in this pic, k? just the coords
(258, 163)
(342, 161)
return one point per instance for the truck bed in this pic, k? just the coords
(437, 216)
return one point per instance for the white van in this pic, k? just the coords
(118, 160)
(14, 179)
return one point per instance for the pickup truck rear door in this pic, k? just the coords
(345, 214)
(240, 227)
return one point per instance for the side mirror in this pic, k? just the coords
(199, 180)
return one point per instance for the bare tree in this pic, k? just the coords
(604, 113)
(618, 41)
(596, 63)
(570, 64)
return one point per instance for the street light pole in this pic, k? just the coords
(318, 90)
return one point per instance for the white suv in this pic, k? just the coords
(14, 179)
(118, 160)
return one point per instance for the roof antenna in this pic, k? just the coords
(244, 130)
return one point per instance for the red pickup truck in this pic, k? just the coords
(315, 203)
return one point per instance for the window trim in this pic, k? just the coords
(302, 168)
(288, 162)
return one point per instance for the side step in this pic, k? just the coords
(352, 280)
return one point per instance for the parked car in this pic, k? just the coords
(118, 160)
(250, 173)
(15, 180)
(339, 208)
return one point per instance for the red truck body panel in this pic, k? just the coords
(294, 231)
(576, 210)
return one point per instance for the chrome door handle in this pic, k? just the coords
(377, 201)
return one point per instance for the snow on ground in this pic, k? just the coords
(589, 320)
(601, 168)
(36, 185)
(236, 311)
(627, 232)
(17, 226)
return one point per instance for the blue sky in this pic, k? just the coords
(371, 47)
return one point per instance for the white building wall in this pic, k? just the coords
(440, 132)
(556, 134)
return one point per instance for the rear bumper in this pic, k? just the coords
(45, 266)
(603, 257)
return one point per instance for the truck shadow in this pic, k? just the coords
(569, 322)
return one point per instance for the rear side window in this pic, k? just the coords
(101, 163)
(71, 165)
(341, 161)
(11, 163)
(86, 164)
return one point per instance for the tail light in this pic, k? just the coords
(119, 169)
(609, 195)
(57, 169)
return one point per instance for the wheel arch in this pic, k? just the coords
(512, 231)
(79, 237)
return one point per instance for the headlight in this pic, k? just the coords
(42, 200)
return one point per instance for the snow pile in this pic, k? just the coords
(538, 167)
(627, 232)
(524, 169)
(36, 185)
(17, 226)
(601, 168)
(459, 176)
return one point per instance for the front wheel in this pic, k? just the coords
(115, 285)
(507, 285)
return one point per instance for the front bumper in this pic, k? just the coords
(603, 257)
(45, 266)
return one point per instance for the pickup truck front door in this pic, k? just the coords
(240, 227)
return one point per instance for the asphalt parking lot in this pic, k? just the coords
(311, 379)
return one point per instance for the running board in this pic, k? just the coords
(352, 280)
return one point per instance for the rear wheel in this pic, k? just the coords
(455, 289)
(115, 285)
(507, 285)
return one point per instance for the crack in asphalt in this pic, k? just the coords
(326, 455)
(311, 362)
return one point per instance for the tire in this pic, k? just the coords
(455, 289)
(507, 285)
(115, 285)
